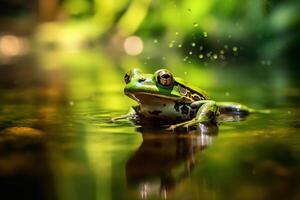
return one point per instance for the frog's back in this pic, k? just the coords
(192, 91)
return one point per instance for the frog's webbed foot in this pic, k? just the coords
(206, 113)
(130, 115)
(185, 125)
(176, 126)
(171, 128)
(114, 119)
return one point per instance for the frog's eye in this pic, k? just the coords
(164, 78)
(127, 77)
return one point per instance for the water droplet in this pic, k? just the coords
(190, 53)
(176, 33)
(185, 73)
(201, 56)
(234, 48)
(227, 94)
(193, 44)
(215, 56)
(195, 24)
(226, 46)
(205, 34)
(208, 54)
(201, 48)
(71, 103)
(171, 45)
(189, 62)
(155, 41)
(179, 45)
(222, 52)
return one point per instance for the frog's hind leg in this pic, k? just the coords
(233, 108)
(207, 112)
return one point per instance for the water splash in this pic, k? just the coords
(171, 44)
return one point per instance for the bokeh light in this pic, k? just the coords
(11, 45)
(133, 45)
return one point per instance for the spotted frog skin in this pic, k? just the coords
(164, 98)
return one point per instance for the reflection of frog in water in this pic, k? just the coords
(164, 98)
(163, 160)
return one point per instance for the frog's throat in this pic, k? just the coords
(142, 96)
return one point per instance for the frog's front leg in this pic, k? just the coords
(206, 113)
(130, 114)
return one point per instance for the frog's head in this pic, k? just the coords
(147, 88)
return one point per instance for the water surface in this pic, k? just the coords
(56, 141)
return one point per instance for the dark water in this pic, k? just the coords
(56, 141)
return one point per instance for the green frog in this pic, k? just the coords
(166, 99)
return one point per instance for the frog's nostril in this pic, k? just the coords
(141, 80)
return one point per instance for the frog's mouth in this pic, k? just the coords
(151, 98)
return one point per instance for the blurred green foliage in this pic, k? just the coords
(262, 31)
